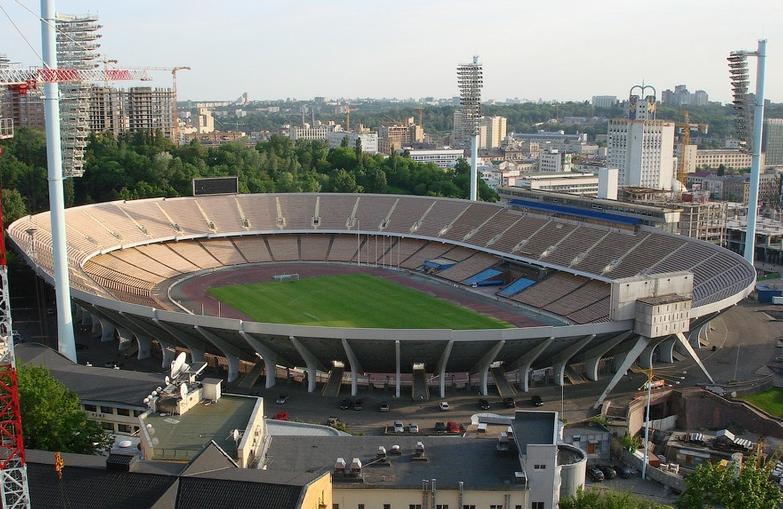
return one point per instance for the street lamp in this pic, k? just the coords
(649, 383)
(738, 70)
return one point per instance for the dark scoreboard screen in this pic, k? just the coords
(215, 185)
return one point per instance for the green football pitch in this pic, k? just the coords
(350, 300)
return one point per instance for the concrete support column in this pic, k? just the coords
(95, 330)
(683, 342)
(444, 360)
(355, 368)
(592, 356)
(482, 367)
(233, 367)
(77, 313)
(107, 330)
(229, 351)
(397, 369)
(526, 361)
(144, 345)
(269, 357)
(310, 361)
(86, 318)
(126, 339)
(666, 351)
(622, 363)
(561, 361)
(646, 357)
(168, 354)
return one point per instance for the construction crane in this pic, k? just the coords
(420, 111)
(685, 139)
(174, 112)
(14, 491)
(347, 109)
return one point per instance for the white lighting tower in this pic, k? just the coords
(738, 70)
(470, 80)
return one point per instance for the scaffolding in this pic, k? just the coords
(77, 48)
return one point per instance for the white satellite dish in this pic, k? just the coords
(125, 444)
(177, 365)
(146, 400)
(183, 390)
(167, 380)
(235, 435)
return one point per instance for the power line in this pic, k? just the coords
(21, 34)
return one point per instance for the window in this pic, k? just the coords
(386, 506)
(107, 409)
(107, 426)
(123, 411)
(335, 506)
(137, 413)
(90, 408)
(539, 467)
(442, 506)
(469, 506)
(123, 428)
(517, 507)
(592, 447)
(414, 506)
(498, 506)
(537, 505)
(360, 506)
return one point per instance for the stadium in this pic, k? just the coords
(410, 287)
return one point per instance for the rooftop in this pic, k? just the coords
(446, 460)
(91, 383)
(664, 299)
(181, 437)
(534, 428)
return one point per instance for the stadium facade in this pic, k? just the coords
(617, 295)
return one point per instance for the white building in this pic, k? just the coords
(583, 184)
(554, 161)
(308, 132)
(492, 131)
(443, 157)
(604, 101)
(642, 148)
(369, 139)
(203, 121)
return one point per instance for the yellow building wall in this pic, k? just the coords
(375, 498)
(318, 494)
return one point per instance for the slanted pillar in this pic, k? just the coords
(397, 369)
(86, 317)
(77, 313)
(107, 330)
(646, 357)
(125, 338)
(355, 367)
(95, 330)
(168, 353)
(561, 359)
(310, 361)
(144, 345)
(195, 346)
(666, 351)
(592, 356)
(444, 360)
(527, 360)
(229, 351)
(623, 363)
(482, 366)
(269, 357)
(686, 346)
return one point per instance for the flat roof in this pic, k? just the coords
(92, 383)
(474, 461)
(534, 428)
(664, 299)
(181, 437)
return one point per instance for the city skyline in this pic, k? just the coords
(346, 49)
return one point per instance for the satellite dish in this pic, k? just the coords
(177, 365)
(154, 393)
(146, 400)
(235, 435)
(167, 380)
(155, 441)
(183, 390)
(125, 444)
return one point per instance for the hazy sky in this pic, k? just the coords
(554, 49)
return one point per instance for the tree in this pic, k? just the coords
(712, 485)
(52, 418)
(14, 206)
(594, 499)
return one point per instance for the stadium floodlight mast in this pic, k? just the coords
(470, 78)
(738, 70)
(66, 344)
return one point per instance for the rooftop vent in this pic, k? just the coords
(381, 451)
(339, 465)
(395, 449)
(356, 466)
(418, 454)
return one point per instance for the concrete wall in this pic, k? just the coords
(375, 498)
(701, 409)
(625, 292)
(254, 434)
(318, 493)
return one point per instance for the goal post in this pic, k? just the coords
(286, 277)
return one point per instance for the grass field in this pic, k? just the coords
(350, 300)
(771, 401)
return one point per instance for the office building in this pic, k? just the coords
(23, 106)
(736, 188)
(203, 121)
(641, 147)
(107, 111)
(397, 136)
(310, 132)
(773, 141)
(712, 159)
(150, 109)
(554, 161)
(492, 132)
(583, 184)
(368, 139)
(681, 96)
(604, 101)
(443, 157)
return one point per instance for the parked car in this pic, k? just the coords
(453, 427)
(413, 428)
(483, 404)
(398, 427)
(346, 404)
(509, 403)
(281, 399)
(440, 427)
(608, 471)
(443, 405)
(358, 404)
(625, 472)
(384, 407)
(281, 416)
(595, 474)
(536, 400)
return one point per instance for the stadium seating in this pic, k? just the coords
(168, 257)
(334, 211)
(492, 229)
(373, 210)
(222, 212)
(578, 242)
(586, 295)
(440, 216)
(343, 248)
(407, 214)
(401, 250)
(521, 231)
(550, 289)
(545, 239)
(315, 247)
(260, 211)
(284, 248)
(428, 252)
(137, 258)
(253, 249)
(185, 214)
(193, 252)
(148, 215)
(224, 251)
(469, 266)
(298, 211)
(476, 215)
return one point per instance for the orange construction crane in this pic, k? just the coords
(685, 139)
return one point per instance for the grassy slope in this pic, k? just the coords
(771, 401)
(351, 300)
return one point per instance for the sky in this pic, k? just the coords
(550, 50)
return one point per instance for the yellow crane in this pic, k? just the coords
(685, 139)
(174, 114)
